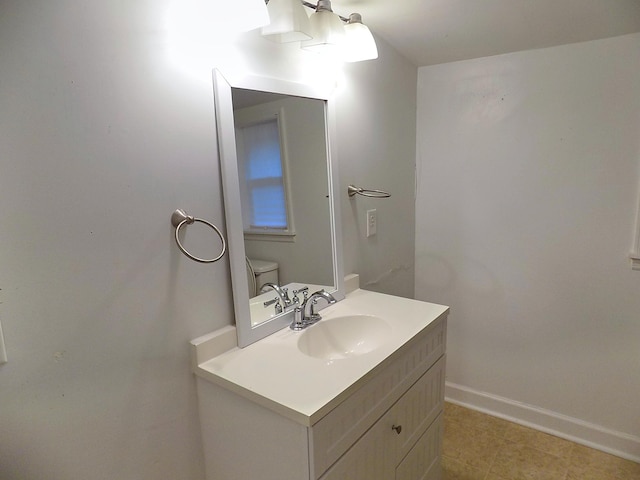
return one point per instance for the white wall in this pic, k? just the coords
(377, 151)
(102, 135)
(528, 174)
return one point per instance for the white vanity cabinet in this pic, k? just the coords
(399, 442)
(403, 444)
(387, 425)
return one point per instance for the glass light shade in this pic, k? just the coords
(243, 15)
(289, 22)
(327, 29)
(359, 42)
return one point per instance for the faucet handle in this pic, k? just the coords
(285, 292)
(313, 315)
(278, 306)
(303, 290)
(270, 302)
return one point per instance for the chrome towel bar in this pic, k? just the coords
(179, 218)
(366, 192)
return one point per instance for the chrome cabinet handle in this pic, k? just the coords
(397, 428)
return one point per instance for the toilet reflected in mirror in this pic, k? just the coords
(260, 272)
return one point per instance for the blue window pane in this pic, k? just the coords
(264, 162)
(263, 175)
(269, 207)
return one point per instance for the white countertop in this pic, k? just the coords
(274, 373)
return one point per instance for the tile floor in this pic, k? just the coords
(481, 447)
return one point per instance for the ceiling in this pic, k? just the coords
(428, 32)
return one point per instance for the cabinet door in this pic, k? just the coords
(418, 408)
(370, 458)
(423, 460)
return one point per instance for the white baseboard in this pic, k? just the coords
(578, 431)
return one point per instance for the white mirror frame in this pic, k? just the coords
(248, 334)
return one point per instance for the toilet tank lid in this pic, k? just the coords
(263, 266)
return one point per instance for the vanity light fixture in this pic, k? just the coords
(324, 31)
(327, 30)
(289, 22)
(360, 44)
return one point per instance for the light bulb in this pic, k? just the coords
(359, 43)
(327, 29)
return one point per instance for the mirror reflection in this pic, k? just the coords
(283, 176)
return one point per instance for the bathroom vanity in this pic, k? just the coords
(359, 395)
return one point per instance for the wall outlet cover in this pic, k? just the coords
(372, 222)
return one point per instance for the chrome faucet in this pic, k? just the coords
(278, 306)
(282, 293)
(305, 314)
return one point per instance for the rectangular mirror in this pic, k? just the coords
(279, 186)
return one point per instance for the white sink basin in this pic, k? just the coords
(344, 337)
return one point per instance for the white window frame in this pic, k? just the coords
(253, 116)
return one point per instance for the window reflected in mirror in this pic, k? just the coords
(262, 172)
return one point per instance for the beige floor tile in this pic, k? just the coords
(456, 470)
(539, 440)
(482, 447)
(492, 476)
(521, 462)
(584, 458)
(590, 474)
(470, 445)
(472, 418)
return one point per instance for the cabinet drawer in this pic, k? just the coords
(332, 436)
(423, 460)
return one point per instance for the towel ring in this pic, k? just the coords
(365, 192)
(179, 218)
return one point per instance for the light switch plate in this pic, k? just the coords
(372, 222)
